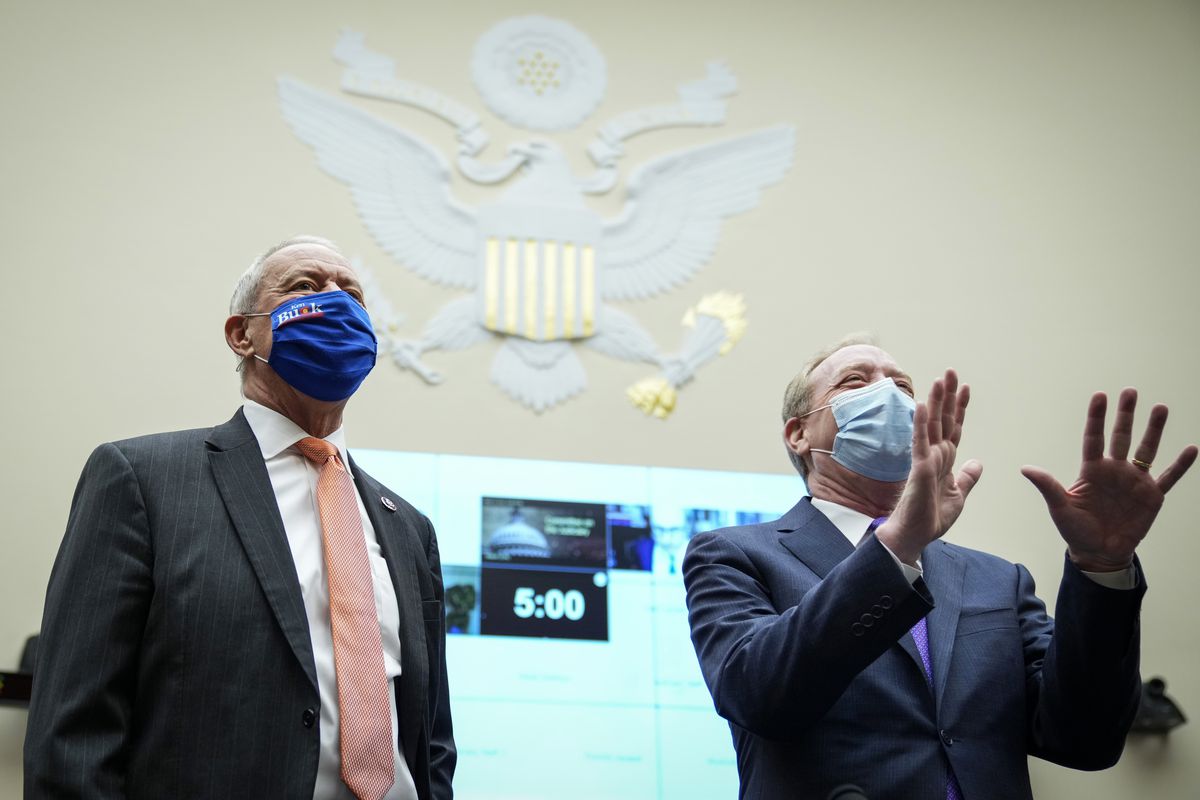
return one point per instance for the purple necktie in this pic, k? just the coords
(920, 634)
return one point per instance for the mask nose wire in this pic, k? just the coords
(864, 390)
(830, 405)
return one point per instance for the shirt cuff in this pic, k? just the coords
(1121, 579)
(912, 573)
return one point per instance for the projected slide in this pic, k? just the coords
(572, 675)
(544, 569)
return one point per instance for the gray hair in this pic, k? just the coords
(797, 398)
(247, 288)
(245, 292)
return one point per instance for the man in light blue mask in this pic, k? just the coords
(241, 611)
(846, 643)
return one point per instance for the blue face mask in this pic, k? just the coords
(875, 429)
(321, 344)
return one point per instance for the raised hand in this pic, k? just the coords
(934, 495)
(1110, 507)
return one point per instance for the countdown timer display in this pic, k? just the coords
(551, 603)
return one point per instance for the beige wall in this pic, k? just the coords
(1009, 188)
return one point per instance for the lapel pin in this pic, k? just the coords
(388, 503)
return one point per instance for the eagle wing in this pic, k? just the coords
(671, 223)
(400, 185)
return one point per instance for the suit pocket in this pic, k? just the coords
(431, 610)
(434, 624)
(989, 619)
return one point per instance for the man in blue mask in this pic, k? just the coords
(241, 611)
(846, 643)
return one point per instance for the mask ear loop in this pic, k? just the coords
(242, 363)
(815, 410)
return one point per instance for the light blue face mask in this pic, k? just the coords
(875, 429)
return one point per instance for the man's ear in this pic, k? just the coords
(237, 335)
(795, 436)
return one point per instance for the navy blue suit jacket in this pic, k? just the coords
(804, 643)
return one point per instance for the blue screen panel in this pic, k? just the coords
(572, 674)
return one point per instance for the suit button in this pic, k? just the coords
(309, 717)
(886, 601)
(857, 629)
(946, 739)
(867, 620)
(877, 611)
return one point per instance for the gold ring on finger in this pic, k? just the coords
(1142, 465)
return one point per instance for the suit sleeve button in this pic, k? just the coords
(857, 629)
(867, 620)
(309, 717)
(876, 611)
(886, 601)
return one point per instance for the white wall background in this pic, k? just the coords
(1012, 189)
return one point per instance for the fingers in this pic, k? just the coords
(1122, 433)
(1148, 448)
(960, 413)
(949, 406)
(937, 395)
(1093, 429)
(1177, 469)
(1052, 491)
(968, 476)
(920, 448)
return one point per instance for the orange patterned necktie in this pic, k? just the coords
(364, 710)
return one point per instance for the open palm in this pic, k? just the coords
(934, 495)
(1109, 509)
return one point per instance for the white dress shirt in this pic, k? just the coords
(294, 479)
(854, 524)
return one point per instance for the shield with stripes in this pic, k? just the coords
(539, 271)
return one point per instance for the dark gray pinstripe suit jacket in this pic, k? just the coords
(803, 641)
(175, 659)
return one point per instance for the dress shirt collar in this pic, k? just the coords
(851, 523)
(276, 433)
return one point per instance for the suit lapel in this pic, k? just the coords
(812, 538)
(242, 479)
(816, 541)
(944, 572)
(401, 548)
(909, 645)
